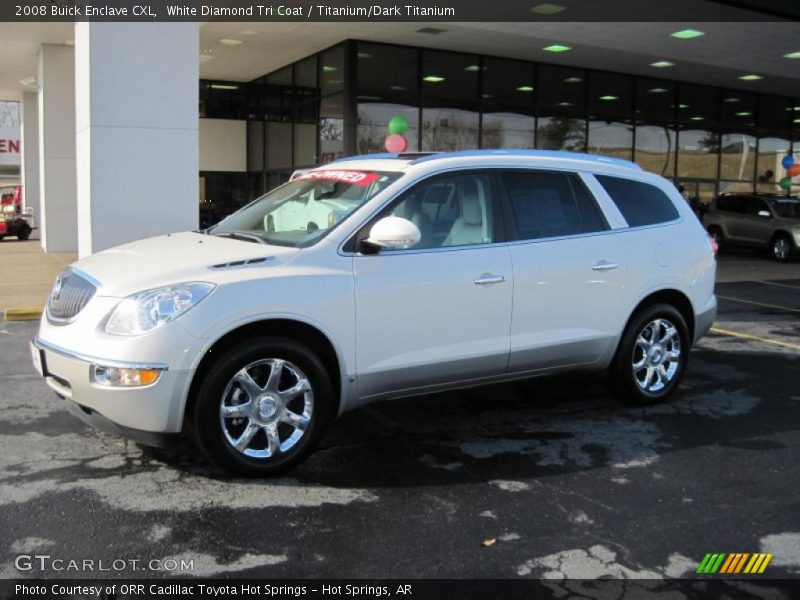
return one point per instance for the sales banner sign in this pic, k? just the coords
(10, 146)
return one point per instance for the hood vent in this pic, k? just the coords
(244, 263)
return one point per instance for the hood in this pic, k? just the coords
(176, 258)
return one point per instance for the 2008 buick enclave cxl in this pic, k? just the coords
(381, 277)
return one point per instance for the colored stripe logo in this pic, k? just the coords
(734, 563)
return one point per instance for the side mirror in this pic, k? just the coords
(765, 214)
(394, 233)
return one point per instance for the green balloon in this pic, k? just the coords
(398, 125)
(785, 183)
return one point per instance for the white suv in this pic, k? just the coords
(381, 277)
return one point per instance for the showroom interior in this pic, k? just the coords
(701, 103)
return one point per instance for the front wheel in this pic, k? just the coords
(262, 407)
(781, 248)
(652, 355)
(24, 233)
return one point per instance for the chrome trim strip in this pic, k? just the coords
(120, 364)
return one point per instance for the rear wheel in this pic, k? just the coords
(262, 407)
(781, 247)
(652, 355)
(24, 233)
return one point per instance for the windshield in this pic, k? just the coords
(303, 211)
(788, 209)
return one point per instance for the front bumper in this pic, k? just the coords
(148, 414)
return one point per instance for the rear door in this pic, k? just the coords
(569, 271)
(733, 213)
(757, 227)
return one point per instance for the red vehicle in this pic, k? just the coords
(12, 220)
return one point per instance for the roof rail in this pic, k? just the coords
(384, 155)
(533, 154)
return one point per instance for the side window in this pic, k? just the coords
(453, 210)
(640, 203)
(735, 204)
(755, 205)
(549, 204)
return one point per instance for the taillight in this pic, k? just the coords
(714, 244)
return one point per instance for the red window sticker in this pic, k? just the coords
(359, 178)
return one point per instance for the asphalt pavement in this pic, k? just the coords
(544, 478)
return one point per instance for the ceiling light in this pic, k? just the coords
(683, 106)
(796, 121)
(662, 64)
(370, 98)
(792, 55)
(609, 98)
(658, 90)
(547, 9)
(697, 119)
(486, 96)
(687, 34)
(750, 77)
(743, 113)
(525, 88)
(223, 86)
(565, 104)
(731, 100)
(397, 88)
(433, 79)
(573, 80)
(556, 48)
(431, 30)
(364, 55)
(329, 69)
(472, 68)
(230, 42)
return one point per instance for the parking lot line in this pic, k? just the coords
(731, 299)
(784, 285)
(756, 338)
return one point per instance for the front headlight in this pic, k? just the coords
(149, 310)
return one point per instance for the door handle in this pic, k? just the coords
(604, 266)
(489, 279)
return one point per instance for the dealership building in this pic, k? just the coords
(135, 129)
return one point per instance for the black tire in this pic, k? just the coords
(781, 248)
(24, 233)
(716, 233)
(207, 424)
(623, 374)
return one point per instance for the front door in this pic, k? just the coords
(440, 312)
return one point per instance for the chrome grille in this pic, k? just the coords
(70, 294)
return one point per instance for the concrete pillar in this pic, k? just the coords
(137, 131)
(30, 153)
(57, 188)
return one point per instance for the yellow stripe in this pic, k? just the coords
(758, 562)
(725, 566)
(741, 562)
(765, 563)
(753, 561)
(753, 302)
(756, 338)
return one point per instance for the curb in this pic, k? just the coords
(23, 314)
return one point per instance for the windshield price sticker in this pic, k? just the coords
(358, 178)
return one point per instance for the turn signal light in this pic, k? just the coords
(119, 377)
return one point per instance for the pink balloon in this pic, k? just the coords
(396, 143)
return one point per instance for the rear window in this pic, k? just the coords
(737, 204)
(640, 203)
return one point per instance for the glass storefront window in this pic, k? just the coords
(450, 79)
(610, 138)
(507, 130)
(738, 109)
(561, 133)
(776, 112)
(331, 129)
(655, 99)
(610, 93)
(279, 145)
(255, 146)
(447, 129)
(377, 83)
(769, 169)
(655, 149)
(373, 123)
(698, 105)
(508, 83)
(698, 153)
(561, 88)
(332, 70)
(737, 157)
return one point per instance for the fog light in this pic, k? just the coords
(122, 377)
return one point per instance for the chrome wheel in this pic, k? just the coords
(781, 248)
(266, 408)
(656, 355)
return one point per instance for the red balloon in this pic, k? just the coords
(396, 143)
(794, 170)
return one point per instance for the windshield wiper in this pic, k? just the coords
(240, 235)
